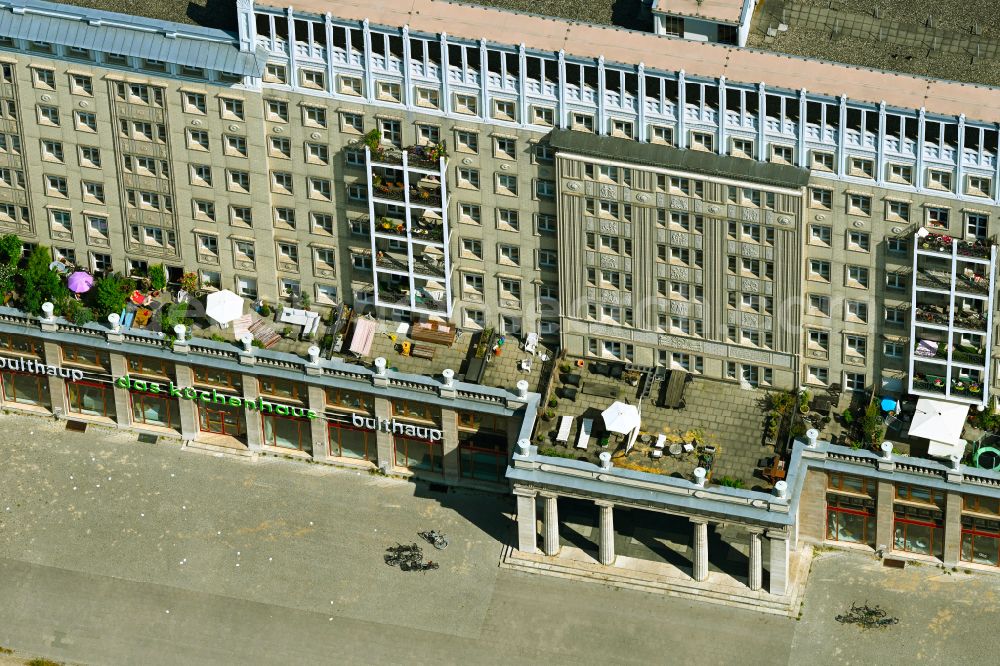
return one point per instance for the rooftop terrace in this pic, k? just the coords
(957, 40)
(622, 13)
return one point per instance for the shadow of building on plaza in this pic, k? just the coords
(493, 513)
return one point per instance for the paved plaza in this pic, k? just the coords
(116, 552)
(721, 414)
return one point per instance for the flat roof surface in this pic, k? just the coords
(935, 38)
(219, 14)
(625, 13)
(727, 11)
(696, 58)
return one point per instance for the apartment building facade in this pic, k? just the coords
(625, 209)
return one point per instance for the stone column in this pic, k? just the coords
(123, 402)
(255, 424)
(756, 563)
(551, 524)
(383, 440)
(779, 562)
(57, 385)
(449, 445)
(883, 515)
(699, 561)
(527, 521)
(607, 539)
(952, 528)
(317, 426)
(188, 409)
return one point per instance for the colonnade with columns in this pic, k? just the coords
(527, 532)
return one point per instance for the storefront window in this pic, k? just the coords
(918, 531)
(155, 410)
(348, 442)
(413, 409)
(350, 399)
(482, 422)
(229, 421)
(850, 519)
(26, 389)
(418, 454)
(282, 388)
(919, 494)
(980, 504)
(482, 457)
(90, 399)
(980, 541)
(287, 433)
(217, 377)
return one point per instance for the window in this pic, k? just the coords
(897, 211)
(203, 210)
(820, 198)
(782, 154)
(545, 189)
(901, 173)
(284, 218)
(387, 91)
(322, 223)
(52, 151)
(469, 214)
(281, 182)
(232, 109)
(240, 216)
(857, 276)
(939, 180)
(504, 148)
(238, 181)
(622, 128)
(390, 131)
(895, 317)
(467, 104)
(472, 284)
(352, 123)
(48, 115)
(819, 305)
(280, 146)
(468, 178)
(80, 84)
(547, 259)
(274, 73)
(820, 234)
(821, 161)
(504, 110)
(509, 255)
(661, 134)
(97, 227)
(510, 289)
(856, 311)
(819, 270)
(819, 340)
(937, 218)
(543, 115)
(208, 246)
(583, 122)
(55, 186)
(197, 139)
(350, 85)
(702, 141)
(856, 345)
(61, 222)
(277, 111)
(288, 253)
(314, 79)
(85, 122)
(320, 188)
(201, 174)
(472, 249)
(543, 152)
(980, 186)
(892, 349)
(467, 142)
(428, 134)
(859, 204)
(93, 192)
(236, 146)
(43, 78)
(897, 245)
(325, 258)
(742, 148)
(861, 167)
(507, 185)
(428, 98)
(101, 263)
(545, 223)
(976, 226)
(859, 241)
(895, 281)
(314, 116)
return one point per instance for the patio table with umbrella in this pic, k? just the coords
(80, 282)
(622, 419)
(223, 307)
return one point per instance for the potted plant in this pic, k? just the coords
(189, 282)
(157, 278)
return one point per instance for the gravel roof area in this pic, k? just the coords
(903, 38)
(622, 13)
(220, 14)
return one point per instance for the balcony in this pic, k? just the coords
(943, 244)
(970, 282)
(933, 351)
(938, 316)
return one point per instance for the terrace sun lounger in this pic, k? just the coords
(661, 441)
(584, 438)
(565, 424)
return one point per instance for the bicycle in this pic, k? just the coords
(435, 538)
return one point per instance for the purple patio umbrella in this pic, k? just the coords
(80, 281)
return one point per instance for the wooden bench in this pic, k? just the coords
(438, 334)
(422, 351)
(601, 390)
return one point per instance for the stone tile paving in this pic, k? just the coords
(718, 413)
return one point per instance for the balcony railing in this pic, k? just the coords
(957, 355)
(974, 283)
(973, 321)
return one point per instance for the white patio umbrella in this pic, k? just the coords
(223, 307)
(940, 422)
(622, 419)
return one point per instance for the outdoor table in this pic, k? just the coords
(777, 470)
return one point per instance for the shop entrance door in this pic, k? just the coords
(220, 421)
